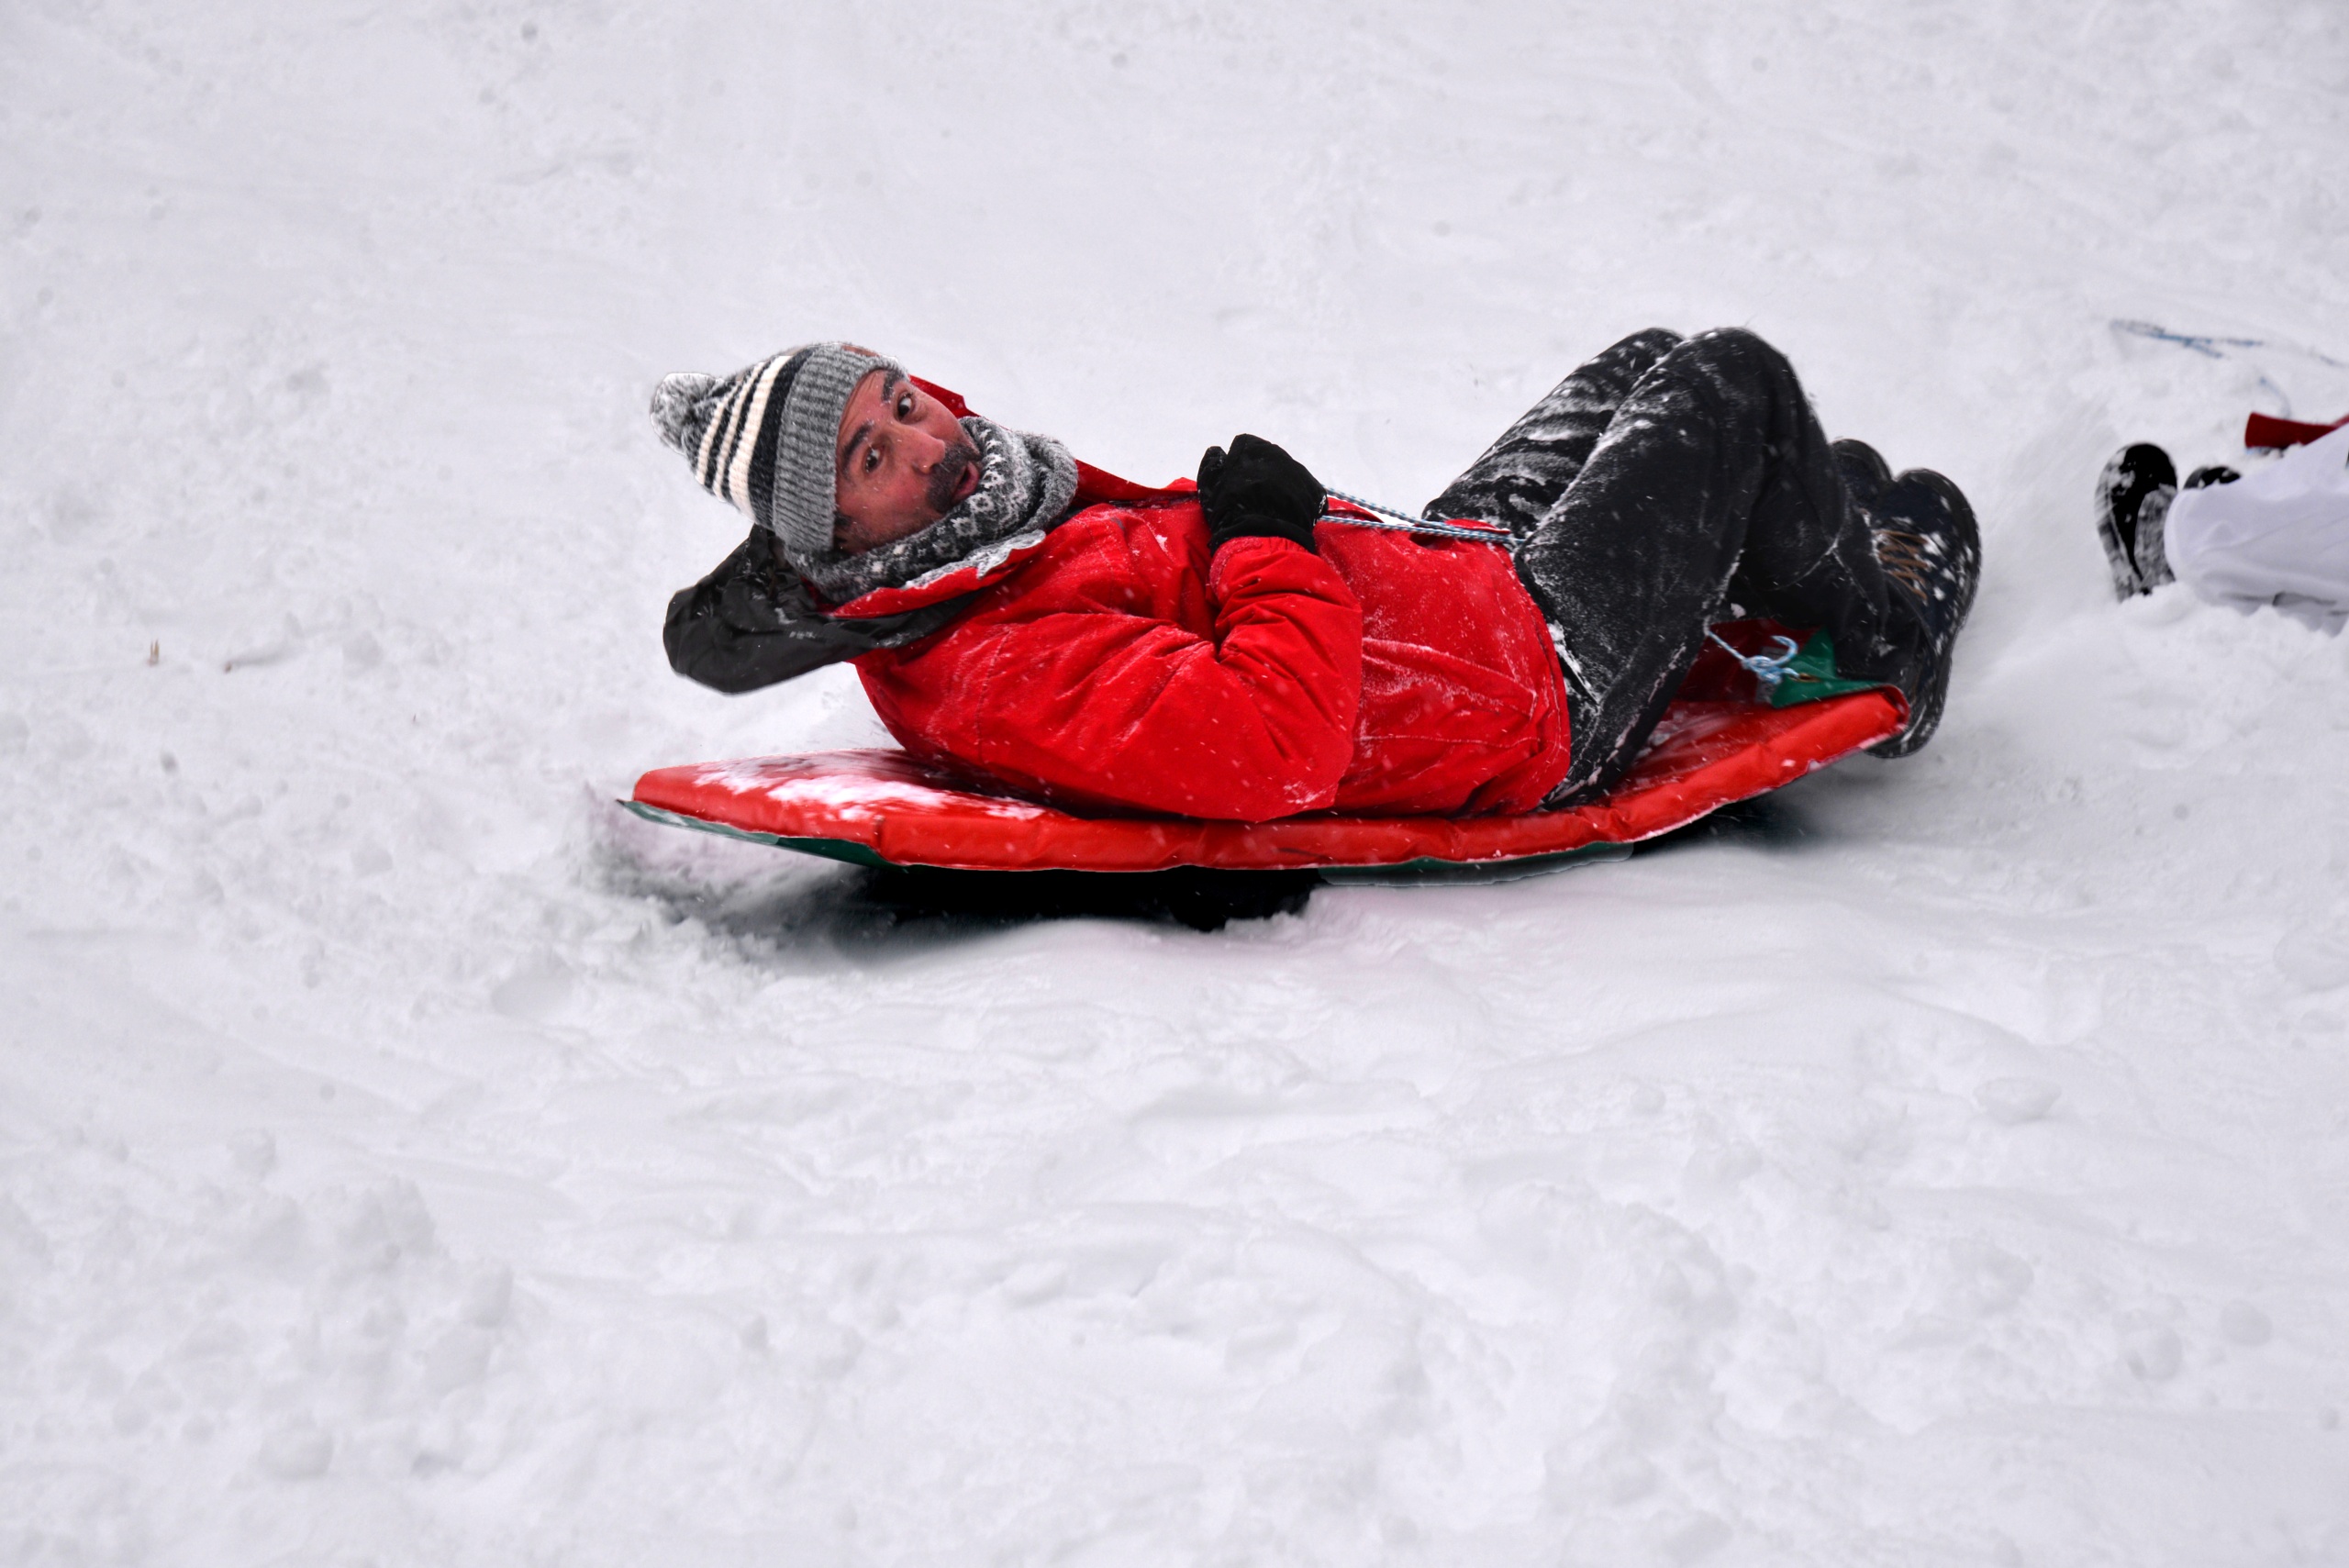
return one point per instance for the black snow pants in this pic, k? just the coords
(1669, 484)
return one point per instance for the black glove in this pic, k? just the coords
(1257, 491)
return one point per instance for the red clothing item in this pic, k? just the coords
(1115, 665)
(2266, 431)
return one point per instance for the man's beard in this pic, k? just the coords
(947, 477)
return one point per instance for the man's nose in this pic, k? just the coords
(926, 451)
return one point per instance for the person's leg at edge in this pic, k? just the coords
(1712, 485)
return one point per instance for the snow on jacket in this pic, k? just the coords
(1114, 664)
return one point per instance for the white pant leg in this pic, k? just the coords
(2280, 537)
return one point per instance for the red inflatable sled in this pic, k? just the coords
(883, 808)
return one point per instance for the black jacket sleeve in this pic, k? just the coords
(753, 623)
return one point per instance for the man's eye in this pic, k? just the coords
(872, 460)
(905, 407)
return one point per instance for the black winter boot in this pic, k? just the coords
(1931, 549)
(2133, 497)
(1865, 474)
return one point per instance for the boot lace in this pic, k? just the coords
(1907, 558)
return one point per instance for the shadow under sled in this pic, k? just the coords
(880, 808)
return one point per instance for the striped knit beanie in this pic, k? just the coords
(767, 437)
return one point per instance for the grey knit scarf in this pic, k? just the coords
(1025, 485)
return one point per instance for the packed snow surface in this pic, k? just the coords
(408, 1158)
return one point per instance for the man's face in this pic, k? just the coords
(903, 462)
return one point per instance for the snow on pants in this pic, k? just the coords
(1669, 483)
(2277, 537)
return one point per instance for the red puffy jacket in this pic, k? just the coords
(1115, 664)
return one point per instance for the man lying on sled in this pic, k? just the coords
(1236, 654)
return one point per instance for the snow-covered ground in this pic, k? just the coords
(405, 1158)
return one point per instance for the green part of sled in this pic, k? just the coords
(828, 848)
(1422, 873)
(1811, 676)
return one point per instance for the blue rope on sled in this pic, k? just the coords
(1769, 669)
(1404, 523)
(2212, 346)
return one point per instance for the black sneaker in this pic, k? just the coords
(2133, 497)
(1865, 474)
(1931, 549)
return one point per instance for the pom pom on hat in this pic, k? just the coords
(683, 406)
